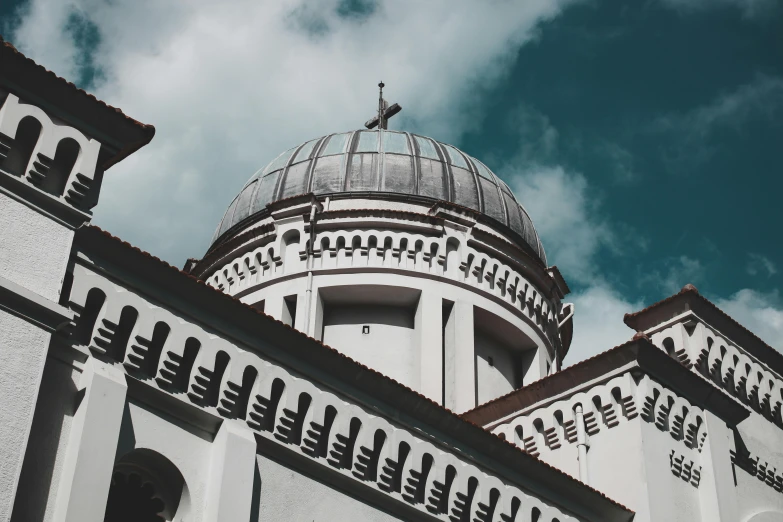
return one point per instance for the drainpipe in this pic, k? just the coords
(581, 443)
(567, 317)
(310, 248)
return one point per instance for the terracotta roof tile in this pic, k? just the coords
(316, 343)
(73, 87)
(541, 383)
(688, 298)
(640, 350)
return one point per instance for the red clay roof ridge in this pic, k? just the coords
(690, 289)
(558, 374)
(372, 371)
(148, 128)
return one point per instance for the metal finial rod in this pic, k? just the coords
(384, 111)
(381, 120)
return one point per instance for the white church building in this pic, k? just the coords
(375, 334)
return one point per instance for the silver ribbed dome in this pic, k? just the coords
(382, 161)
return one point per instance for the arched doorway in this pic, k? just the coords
(146, 487)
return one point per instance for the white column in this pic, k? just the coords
(230, 487)
(429, 328)
(717, 494)
(300, 323)
(535, 365)
(464, 389)
(92, 445)
(22, 357)
(274, 305)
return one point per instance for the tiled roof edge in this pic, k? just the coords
(477, 430)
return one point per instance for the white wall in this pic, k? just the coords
(188, 447)
(390, 344)
(407, 291)
(287, 495)
(46, 445)
(23, 350)
(442, 261)
(498, 378)
(762, 491)
(34, 250)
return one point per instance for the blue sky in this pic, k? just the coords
(643, 137)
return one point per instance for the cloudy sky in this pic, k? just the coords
(644, 138)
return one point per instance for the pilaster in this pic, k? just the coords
(429, 326)
(460, 359)
(535, 365)
(92, 445)
(717, 493)
(230, 486)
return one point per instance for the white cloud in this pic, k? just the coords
(229, 87)
(622, 162)
(598, 321)
(675, 272)
(749, 8)
(565, 213)
(761, 97)
(538, 138)
(761, 313)
(761, 265)
(599, 311)
(693, 132)
(568, 217)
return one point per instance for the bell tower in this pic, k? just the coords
(56, 142)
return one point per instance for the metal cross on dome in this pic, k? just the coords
(384, 112)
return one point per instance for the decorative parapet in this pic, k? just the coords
(56, 140)
(761, 469)
(684, 468)
(165, 350)
(74, 184)
(437, 254)
(554, 424)
(709, 342)
(707, 352)
(607, 405)
(671, 413)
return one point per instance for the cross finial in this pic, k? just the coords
(384, 111)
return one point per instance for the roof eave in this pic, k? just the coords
(689, 299)
(638, 353)
(33, 83)
(225, 309)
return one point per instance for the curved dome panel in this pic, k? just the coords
(382, 161)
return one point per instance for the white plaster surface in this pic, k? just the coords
(48, 442)
(764, 441)
(614, 462)
(429, 324)
(390, 344)
(288, 496)
(664, 495)
(230, 491)
(23, 350)
(418, 355)
(498, 377)
(437, 261)
(92, 445)
(34, 250)
(187, 447)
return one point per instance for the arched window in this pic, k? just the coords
(21, 148)
(146, 487)
(290, 251)
(60, 167)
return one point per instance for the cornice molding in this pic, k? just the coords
(39, 311)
